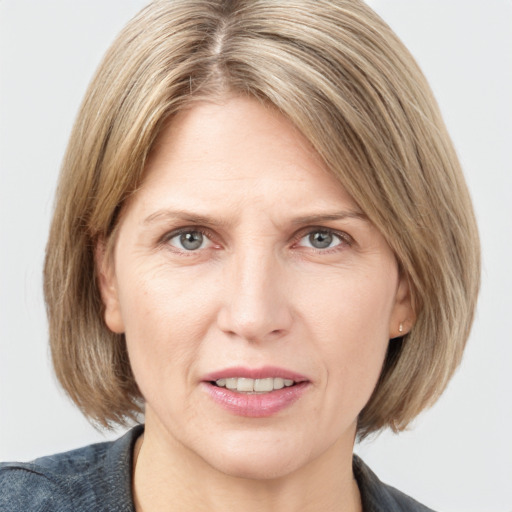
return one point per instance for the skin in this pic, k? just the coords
(257, 292)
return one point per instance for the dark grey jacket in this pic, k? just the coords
(98, 478)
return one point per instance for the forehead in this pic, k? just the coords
(239, 149)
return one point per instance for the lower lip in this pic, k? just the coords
(260, 405)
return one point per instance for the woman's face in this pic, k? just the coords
(242, 263)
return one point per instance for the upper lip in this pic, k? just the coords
(254, 373)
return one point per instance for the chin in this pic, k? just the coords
(257, 468)
(256, 458)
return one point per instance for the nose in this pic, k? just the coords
(257, 303)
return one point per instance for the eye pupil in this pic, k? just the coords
(321, 239)
(191, 240)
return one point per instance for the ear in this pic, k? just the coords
(403, 315)
(107, 283)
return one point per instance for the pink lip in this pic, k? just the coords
(254, 373)
(255, 405)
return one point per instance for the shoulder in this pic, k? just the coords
(85, 479)
(379, 497)
(27, 486)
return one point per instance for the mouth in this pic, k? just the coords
(255, 393)
(253, 386)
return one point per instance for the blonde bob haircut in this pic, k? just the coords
(339, 73)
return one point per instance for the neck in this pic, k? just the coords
(169, 477)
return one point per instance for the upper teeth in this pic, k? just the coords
(254, 385)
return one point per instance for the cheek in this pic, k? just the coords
(352, 326)
(165, 320)
(351, 307)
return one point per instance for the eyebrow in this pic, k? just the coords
(342, 215)
(183, 215)
(194, 218)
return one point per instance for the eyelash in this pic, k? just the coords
(344, 238)
(181, 231)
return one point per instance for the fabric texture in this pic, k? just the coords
(98, 477)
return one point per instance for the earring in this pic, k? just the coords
(401, 328)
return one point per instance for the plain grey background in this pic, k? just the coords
(457, 457)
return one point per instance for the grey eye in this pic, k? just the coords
(321, 239)
(189, 240)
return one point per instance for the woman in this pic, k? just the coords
(242, 247)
